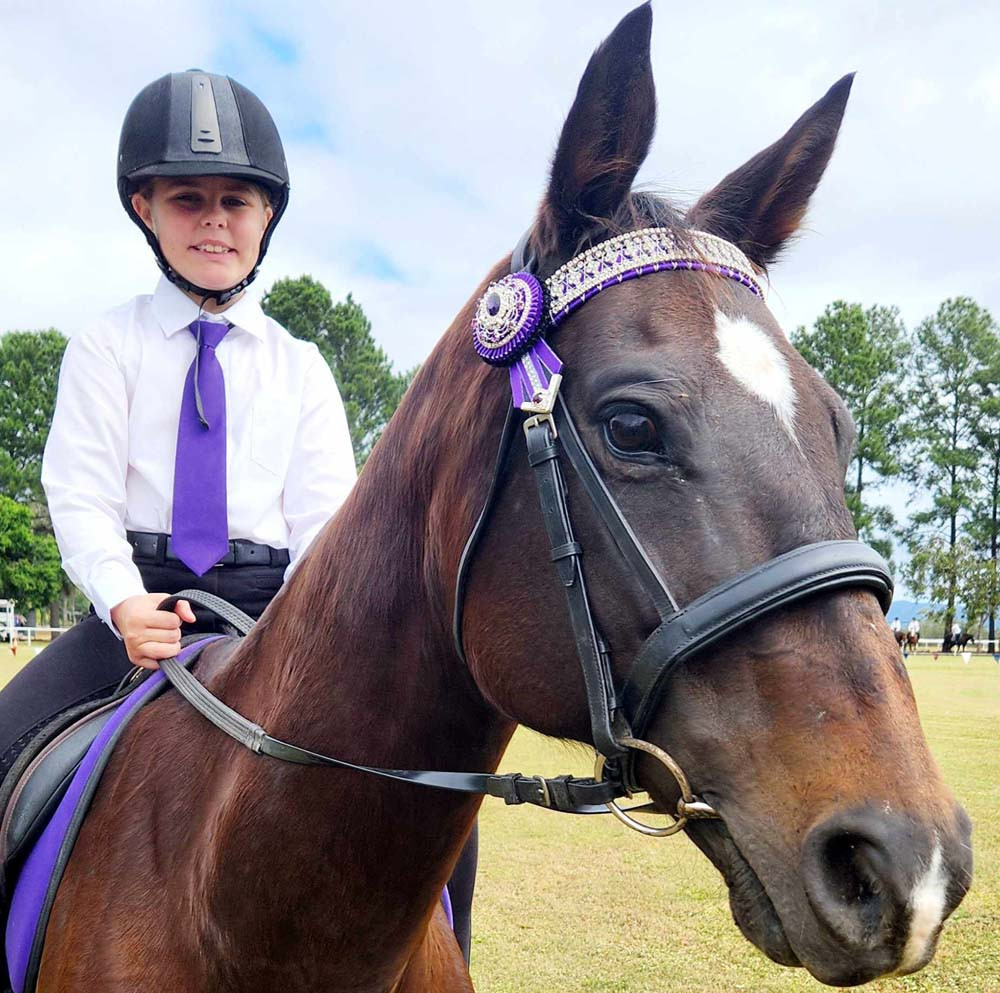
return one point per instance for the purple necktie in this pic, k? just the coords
(200, 534)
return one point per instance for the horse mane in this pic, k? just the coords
(383, 549)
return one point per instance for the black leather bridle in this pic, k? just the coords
(623, 711)
(619, 713)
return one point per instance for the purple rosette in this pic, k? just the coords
(508, 318)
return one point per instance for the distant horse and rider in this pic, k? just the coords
(957, 641)
(449, 600)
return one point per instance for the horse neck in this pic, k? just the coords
(364, 624)
(355, 656)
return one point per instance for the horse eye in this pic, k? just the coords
(631, 432)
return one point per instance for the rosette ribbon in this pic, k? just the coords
(507, 331)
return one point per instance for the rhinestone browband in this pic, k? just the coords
(636, 254)
(514, 311)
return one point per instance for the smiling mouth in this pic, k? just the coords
(213, 249)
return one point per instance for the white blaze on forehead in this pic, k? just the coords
(755, 362)
(926, 913)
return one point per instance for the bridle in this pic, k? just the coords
(510, 319)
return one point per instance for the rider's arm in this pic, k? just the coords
(84, 469)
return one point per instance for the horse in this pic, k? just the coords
(204, 866)
(964, 639)
(912, 641)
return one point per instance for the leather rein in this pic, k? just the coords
(619, 714)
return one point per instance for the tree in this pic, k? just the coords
(861, 353)
(29, 375)
(30, 572)
(984, 523)
(370, 389)
(954, 350)
(936, 570)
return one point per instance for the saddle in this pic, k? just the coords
(44, 799)
(39, 778)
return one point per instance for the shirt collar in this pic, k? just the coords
(175, 311)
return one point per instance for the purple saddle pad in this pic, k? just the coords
(39, 879)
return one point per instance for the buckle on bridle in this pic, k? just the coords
(540, 419)
(543, 786)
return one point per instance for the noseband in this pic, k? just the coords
(511, 317)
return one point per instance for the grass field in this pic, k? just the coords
(10, 663)
(583, 904)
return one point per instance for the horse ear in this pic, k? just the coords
(760, 205)
(605, 138)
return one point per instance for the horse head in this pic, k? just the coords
(842, 848)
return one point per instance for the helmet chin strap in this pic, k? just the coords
(220, 296)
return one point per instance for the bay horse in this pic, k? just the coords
(205, 867)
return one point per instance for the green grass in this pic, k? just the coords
(10, 662)
(583, 904)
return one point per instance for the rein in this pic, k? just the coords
(507, 331)
(563, 793)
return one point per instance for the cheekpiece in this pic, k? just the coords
(512, 313)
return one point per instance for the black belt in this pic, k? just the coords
(159, 549)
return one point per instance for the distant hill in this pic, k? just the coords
(906, 610)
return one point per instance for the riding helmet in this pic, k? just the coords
(196, 123)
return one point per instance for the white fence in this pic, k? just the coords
(27, 636)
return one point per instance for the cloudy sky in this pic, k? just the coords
(419, 136)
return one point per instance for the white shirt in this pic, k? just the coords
(109, 461)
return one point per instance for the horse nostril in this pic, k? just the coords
(857, 874)
(857, 886)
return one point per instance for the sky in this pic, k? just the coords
(419, 138)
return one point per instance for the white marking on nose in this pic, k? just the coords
(926, 913)
(755, 362)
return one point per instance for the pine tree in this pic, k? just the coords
(862, 354)
(953, 351)
(984, 523)
(370, 389)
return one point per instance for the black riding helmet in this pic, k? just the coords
(195, 123)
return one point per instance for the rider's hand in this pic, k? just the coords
(150, 634)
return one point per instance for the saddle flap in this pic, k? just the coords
(43, 783)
